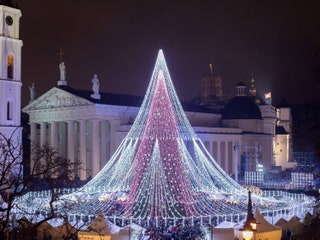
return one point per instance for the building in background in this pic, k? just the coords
(211, 91)
(242, 136)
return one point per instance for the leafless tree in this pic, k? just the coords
(48, 171)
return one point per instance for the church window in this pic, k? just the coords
(10, 66)
(9, 111)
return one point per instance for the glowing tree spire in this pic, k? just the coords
(160, 177)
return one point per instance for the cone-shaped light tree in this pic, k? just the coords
(161, 170)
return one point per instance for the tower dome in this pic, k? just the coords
(241, 107)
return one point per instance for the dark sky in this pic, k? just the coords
(119, 41)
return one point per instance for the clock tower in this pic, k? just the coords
(10, 73)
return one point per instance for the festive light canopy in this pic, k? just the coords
(161, 170)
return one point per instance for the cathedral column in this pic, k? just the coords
(33, 140)
(83, 149)
(226, 157)
(62, 128)
(236, 148)
(43, 142)
(70, 146)
(114, 126)
(33, 133)
(43, 134)
(54, 135)
(218, 153)
(103, 147)
(95, 147)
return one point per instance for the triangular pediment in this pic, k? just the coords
(56, 98)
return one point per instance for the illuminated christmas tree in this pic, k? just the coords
(161, 171)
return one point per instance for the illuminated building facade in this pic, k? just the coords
(89, 130)
(10, 71)
(10, 76)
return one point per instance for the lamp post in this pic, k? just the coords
(250, 225)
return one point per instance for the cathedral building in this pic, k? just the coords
(87, 126)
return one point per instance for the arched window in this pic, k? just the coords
(10, 66)
(9, 110)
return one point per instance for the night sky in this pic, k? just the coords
(119, 41)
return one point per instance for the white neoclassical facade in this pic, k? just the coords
(79, 129)
(88, 130)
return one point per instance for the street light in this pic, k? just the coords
(250, 225)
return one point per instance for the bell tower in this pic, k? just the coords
(10, 72)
